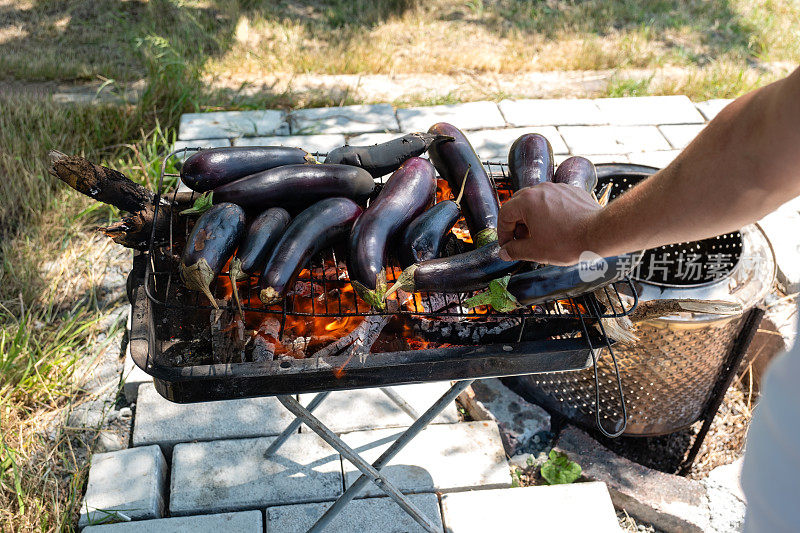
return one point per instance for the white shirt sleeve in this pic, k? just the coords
(771, 472)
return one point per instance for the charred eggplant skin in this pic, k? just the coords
(405, 196)
(382, 159)
(558, 282)
(577, 171)
(209, 169)
(456, 159)
(468, 271)
(260, 238)
(530, 161)
(315, 228)
(215, 236)
(424, 238)
(297, 186)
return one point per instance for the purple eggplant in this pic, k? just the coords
(558, 282)
(384, 158)
(215, 236)
(297, 186)
(209, 169)
(424, 238)
(530, 161)
(317, 227)
(468, 271)
(577, 171)
(407, 193)
(260, 238)
(455, 159)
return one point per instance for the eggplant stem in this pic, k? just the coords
(404, 281)
(236, 273)
(463, 183)
(269, 296)
(375, 298)
(485, 236)
(198, 277)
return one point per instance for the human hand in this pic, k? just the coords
(546, 223)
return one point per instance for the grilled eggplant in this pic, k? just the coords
(382, 159)
(530, 161)
(577, 171)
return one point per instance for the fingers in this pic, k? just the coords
(518, 250)
(511, 213)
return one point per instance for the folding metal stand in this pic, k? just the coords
(369, 472)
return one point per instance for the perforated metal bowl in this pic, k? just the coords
(668, 376)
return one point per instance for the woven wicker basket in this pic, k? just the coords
(668, 375)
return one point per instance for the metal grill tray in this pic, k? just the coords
(549, 337)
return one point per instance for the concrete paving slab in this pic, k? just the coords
(350, 119)
(556, 112)
(233, 475)
(680, 135)
(781, 228)
(711, 108)
(612, 139)
(631, 111)
(309, 143)
(658, 159)
(128, 482)
(222, 124)
(443, 458)
(368, 139)
(468, 116)
(575, 507)
(494, 144)
(360, 409)
(201, 143)
(668, 502)
(132, 377)
(370, 515)
(159, 421)
(244, 522)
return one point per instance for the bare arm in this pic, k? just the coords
(743, 165)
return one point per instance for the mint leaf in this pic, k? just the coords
(201, 204)
(559, 470)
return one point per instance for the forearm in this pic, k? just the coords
(743, 165)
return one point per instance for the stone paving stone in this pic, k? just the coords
(569, 508)
(711, 108)
(233, 475)
(658, 159)
(562, 112)
(668, 502)
(201, 143)
(132, 377)
(130, 482)
(726, 501)
(680, 135)
(494, 144)
(370, 515)
(443, 458)
(468, 116)
(368, 139)
(232, 124)
(520, 422)
(243, 522)
(359, 409)
(781, 229)
(584, 140)
(631, 111)
(346, 119)
(159, 421)
(309, 143)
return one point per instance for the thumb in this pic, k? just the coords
(517, 250)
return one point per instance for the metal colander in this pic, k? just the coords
(668, 375)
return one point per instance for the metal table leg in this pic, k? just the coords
(351, 455)
(294, 425)
(400, 402)
(406, 437)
